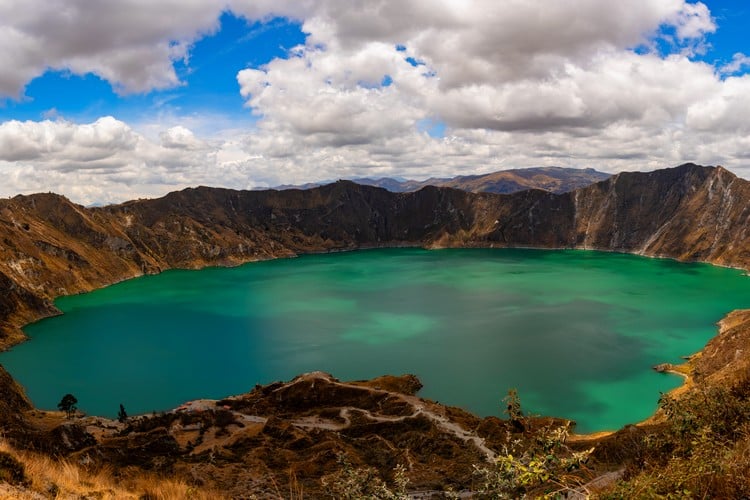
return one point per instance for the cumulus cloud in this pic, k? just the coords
(334, 99)
(516, 83)
(179, 137)
(488, 64)
(480, 41)
(130, 43)
(103, 161)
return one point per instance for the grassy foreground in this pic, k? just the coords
(29, 475)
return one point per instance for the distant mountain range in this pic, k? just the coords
(552, 179)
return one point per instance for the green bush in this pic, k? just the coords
(544, 468)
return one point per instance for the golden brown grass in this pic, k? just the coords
(701, 450)
(62, 479)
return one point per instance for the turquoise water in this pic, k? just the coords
(575, 332)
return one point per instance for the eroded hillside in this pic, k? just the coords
(51, 246)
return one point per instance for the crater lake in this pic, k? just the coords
(575, 332)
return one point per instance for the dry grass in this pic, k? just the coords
(63, 479)
(702, 449)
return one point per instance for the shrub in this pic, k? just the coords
(702, 450)
(546, 467)
(364, 483)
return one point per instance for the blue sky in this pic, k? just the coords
(732, 19)
(209, 76)
(245, 94)
(209, 79)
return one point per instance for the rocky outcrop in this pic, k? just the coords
(52, 247)
(725, 360)
(292, 434)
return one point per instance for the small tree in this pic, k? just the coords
(68, 405)
(544, 468)
(122, 415)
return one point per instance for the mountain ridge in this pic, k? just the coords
(52, 246)
(554, 179)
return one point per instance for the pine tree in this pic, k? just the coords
(68, 405)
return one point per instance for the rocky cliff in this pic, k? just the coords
(51, 246)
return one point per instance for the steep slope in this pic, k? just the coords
(51, 246)
(688, 213)
(13, 401)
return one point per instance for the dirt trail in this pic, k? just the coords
(417, 404)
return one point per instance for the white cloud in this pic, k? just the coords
(738, 63)
(486, 41)
(104, 161)
(504, 65)
(724, 110)
(517, 82)
(131, 43)
(179, 137)
(692, 21)
(312, 99)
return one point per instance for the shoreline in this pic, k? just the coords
(688, 381)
